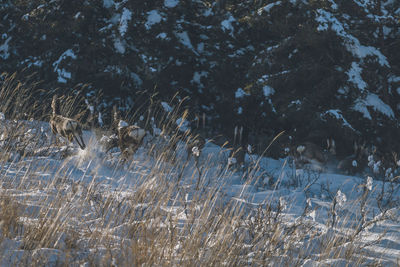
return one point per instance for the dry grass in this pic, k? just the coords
(173, 213)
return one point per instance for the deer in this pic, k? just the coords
(194, 145)
(238, 153)
(310, 153)
(130, 137)
(196, 142)
(356, 162)
(68, 128)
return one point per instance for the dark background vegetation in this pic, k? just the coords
(280, 47)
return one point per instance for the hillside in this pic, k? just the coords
(316, 69)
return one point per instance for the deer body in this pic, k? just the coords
(192, 142)
(130, 137)
(68, 128)
(310, 153)
(354, 163)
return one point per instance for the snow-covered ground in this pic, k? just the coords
(83, 207)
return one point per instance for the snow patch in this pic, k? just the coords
(268, 7)
(373, 101)
(334, 6)
(153, 18)
(184, 39)
(226, 25)
(63, 74)
(122, 124)
(240, 93)
(268, 91)
(4, 54)
(337, 114)
(166, 107)
(162, 35)
(354, 74)
(125, 18)
(327, 20)
(183, 125)
(119, 46)
(108, 3)
(136, 79)
(171, 3)
(197, 78)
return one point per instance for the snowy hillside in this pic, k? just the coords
(87, 207)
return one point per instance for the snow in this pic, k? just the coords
(227, 24)
(108, 3)
(373, 101)
(197, 78)
(334, 6)
(337, 114)
(268, 91)
(100, 119)
(183, 125)
(63, 75)
(394, 79)
(327, 21)
(268, 7)
(240, 93)
(364, 4)
(153, 18)
(354, 74)
(119, 46)
(376, 103)
(305, 198)
(125, 18)
(166, 107)
(162, 35)
(122, 124)
(136, 79)
(200, 47)
(4, 53)
(171, 3)
(184, 39)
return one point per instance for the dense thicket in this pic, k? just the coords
(317, 69)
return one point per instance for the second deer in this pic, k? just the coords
(130, 137)
(66, 127)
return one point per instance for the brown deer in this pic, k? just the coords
(196, 142)
(356, 162)
(66, 127)
(194, 145)
(310, 153)
(130, 137)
